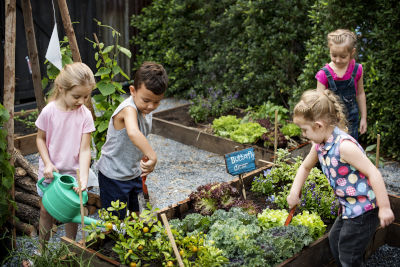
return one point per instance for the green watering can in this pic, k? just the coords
(61, 201)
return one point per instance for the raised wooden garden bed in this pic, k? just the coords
(316, 254)
(176, 124)
(24, 137)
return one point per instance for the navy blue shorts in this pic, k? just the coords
(125, 191)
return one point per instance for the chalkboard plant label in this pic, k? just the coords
(241, 161)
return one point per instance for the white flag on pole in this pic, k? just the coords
(53, 53)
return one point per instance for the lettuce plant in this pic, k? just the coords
(271, 218)
(248, 133)
(224, 125)
(313, 221)
(291, 130)
(210, 197)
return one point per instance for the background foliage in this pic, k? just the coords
(255, 47)
(270, 50)
(376, 24)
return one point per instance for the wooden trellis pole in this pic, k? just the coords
(9, 88)
(69, 30)
(33, 53)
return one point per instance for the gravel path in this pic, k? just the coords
(181, 169)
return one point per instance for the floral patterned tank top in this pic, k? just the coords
(351, 186)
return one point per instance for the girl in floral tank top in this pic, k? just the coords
(354, 179)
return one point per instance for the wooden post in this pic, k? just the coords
(276, 134)
(33, 53)
(78, 178)
(171, 239)
(69, 30)
(378, 143)
(9, 89)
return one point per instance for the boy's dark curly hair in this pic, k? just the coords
(153, 76)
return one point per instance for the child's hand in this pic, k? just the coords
(83, 188)
(147, 166)
(386, 216)
(48, 171)
(293, 200)
(363, 126)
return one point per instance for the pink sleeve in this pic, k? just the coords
(42, 120)
(359, 72)
(321, 77)
(88, 125)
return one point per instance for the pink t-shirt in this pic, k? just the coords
(64, 130)
(321, 76)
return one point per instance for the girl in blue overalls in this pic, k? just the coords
(344, 77)
(354, 179)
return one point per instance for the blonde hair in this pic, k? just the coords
(326, 106)
(74, 74)
(342, 36)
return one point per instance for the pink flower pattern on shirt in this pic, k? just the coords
(351, 186)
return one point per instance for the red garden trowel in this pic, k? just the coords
(145, 191)
(291, 213)
(290, 216)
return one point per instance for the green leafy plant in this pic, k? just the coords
(225, 125)
(27, 118)
(317, 195)
(111, 91)
(248, 133)
(291, 130)
(143, 240)
(213, 196)
(271, 218)
(313, 221)
(267, 111)
(213, 105)
(6, 171)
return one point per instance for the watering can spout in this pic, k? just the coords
(86, 220)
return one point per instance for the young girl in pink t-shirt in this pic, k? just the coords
(63, 137)
(344, 77)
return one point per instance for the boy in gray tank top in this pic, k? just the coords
(120, 165)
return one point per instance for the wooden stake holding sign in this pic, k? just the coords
(240, 162)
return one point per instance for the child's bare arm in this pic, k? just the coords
(301, 176)
(354, 156)
(44, 154)
(138, 139)
(362, 104)
(320, 87)
(84, 161)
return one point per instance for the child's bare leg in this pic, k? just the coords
(71, 229)
(45, 226)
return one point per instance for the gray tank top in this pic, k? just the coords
(120, 158)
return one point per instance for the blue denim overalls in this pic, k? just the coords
(346, 90)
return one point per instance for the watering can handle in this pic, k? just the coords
(56, 175)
